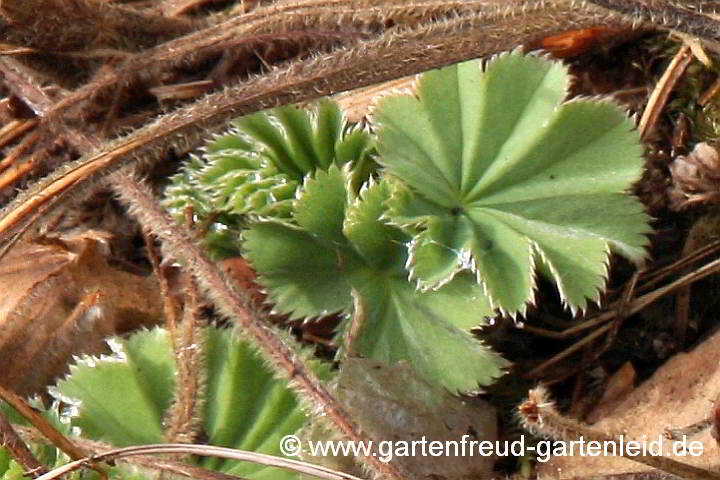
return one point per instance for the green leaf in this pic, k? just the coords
(255, 170)
(314, 271)
(321, 208)
(124, 398)
(307, 269)
(304, 277)
(495, 175)
(379, 244)
(430, 331)
(121, 398)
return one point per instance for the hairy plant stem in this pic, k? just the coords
(177, 243)
(665, 15)
(538, 415)
(184, 419)
(62, 25)
(17, 448)
(306, 16)
(394, 55)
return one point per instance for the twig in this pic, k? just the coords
(661, 92)
(539, 415)
(632, 308)
(206, 451)
(17, 448)
(621, 311)
(652, 277)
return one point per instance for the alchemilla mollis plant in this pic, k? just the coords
(440, 215)
(418, 228)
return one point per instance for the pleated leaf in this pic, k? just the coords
(258, 165)
(344, 255)
(124, 398)
(495, 175)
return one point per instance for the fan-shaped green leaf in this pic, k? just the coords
(311, 272)
(255, 170)
(429, 330)
(124, 398)
(494, 174)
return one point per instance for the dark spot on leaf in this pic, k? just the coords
(456, 211)
(552, 177)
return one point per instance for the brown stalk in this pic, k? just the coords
(665, 14)
(41, 423)
(171, 307)
(208, 451)
(184, 419)
(394, 55)
(538, 415)
(17, 448)
(21, 80)
(74, 25)
(603, 320)
(324, 22)
(660, 94)
(15, 129)
(177, 243)
(181, 469)
(328, 15)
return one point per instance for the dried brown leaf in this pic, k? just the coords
(679, 394)
(61, 297)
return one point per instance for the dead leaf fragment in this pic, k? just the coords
(394, 405)
(679, 394)
(60, 297)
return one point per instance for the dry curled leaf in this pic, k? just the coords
(61, 297)
(678, 395)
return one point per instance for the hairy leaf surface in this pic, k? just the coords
(123, 399)
(256, 168)
(497, 176)
(344, 253)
